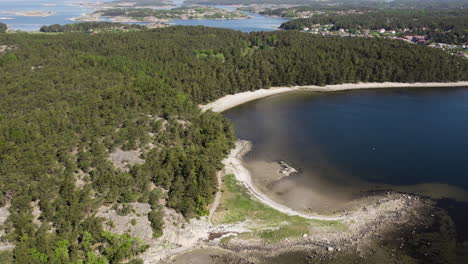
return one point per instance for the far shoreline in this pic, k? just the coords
(232, 100)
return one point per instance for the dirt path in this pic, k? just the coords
(233, 165)
(6, 247)
(217, 199)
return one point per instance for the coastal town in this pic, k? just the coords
(403, 35)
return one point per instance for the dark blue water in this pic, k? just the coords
(397, 137)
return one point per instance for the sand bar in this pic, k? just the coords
(233, 100)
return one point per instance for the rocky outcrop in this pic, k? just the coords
(123, 160)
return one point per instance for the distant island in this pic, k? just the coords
(33, 13)
(148, 11)
(132, 15)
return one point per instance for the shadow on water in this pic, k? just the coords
(458, 211)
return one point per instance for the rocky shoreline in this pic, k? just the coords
(372, 231)
(391, 216)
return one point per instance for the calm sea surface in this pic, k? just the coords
(64, 10)
(256, 23)
(396, 137)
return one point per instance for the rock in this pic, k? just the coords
(330, 249)
(304, 235)
(286, 170)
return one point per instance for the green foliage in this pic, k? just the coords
(2, 199)
(123, 209)
(3, 27)
(191, 12)
(157, 223)
(91, 258)
(89, 27)
(60, 119)
(111, 248)
(121, 247)
(156, 214)
(273, 226)
(445, 26)
(208, 54)
(8, 59)
(6, 257)
(242, 206)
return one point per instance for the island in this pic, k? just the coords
(29, 13)
(132, 15)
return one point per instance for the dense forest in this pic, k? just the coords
(91, 27)
(69, 100)
(447, 26)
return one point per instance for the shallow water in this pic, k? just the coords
(346, 143)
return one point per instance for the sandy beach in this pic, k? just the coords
(233, 100)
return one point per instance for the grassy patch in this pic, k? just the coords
(290, 230)
(270, 225)
(6, 256)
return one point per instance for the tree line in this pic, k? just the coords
(91, 27)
